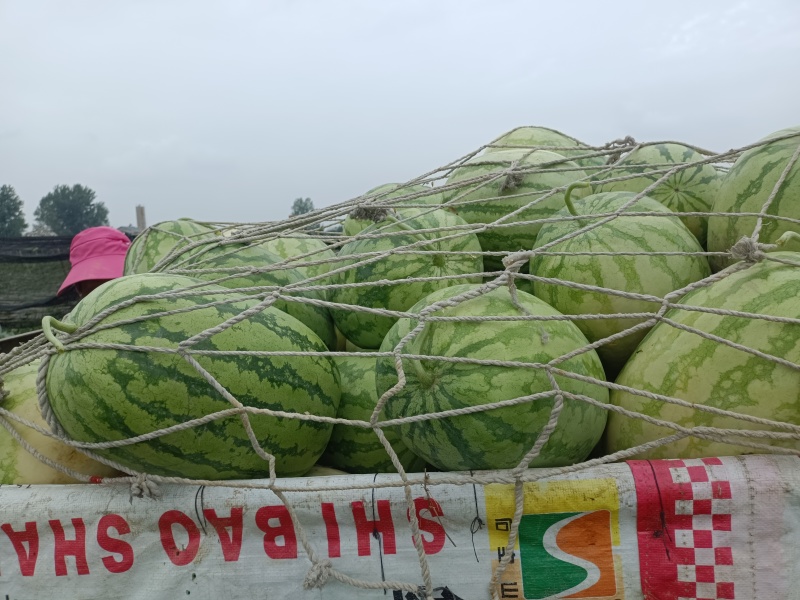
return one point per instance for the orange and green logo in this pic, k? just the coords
(568, 540)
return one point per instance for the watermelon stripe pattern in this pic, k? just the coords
(498, 193)
(691, 189)
(640, 272)
(357, 450)
(215, 263)
(101, 395)
(682, 364)
(303, 249)
(531, 137)
(500, 437)
(747, 187)
(380, 195)
(402, 228)
(155, 243)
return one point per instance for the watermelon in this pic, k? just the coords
(498, 438)
(642, 274)
(481, 202)
(681, 364)
(358, 220)
(357, 450)
(351, 347)
(746, 187)
(211, 263)
(398, 229)
(102, 395)
(533, 137)
(323, 471)
(158, 241)
(17, 465)
(308, 249)
(692, 189)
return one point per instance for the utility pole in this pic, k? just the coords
(141, 225)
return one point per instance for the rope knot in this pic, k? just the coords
(620, 143)
(513, 178)
(318, 575)
(516, 260)
(617, 147)
(143, 487)
(748, 250)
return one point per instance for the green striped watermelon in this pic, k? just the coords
(501, 437)
(482, 202)
(745, 189)
(681, 364)
(356, 222)
(398, 229)
(217, 261)
(642, 274)
(157, 241)
(308, 249)
(532, 137)
(113, 394)
(357, 450)
(692, 189)
(17, 465)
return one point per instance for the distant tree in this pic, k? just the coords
(301, 206)
(12, 219)
(69, 210)
(39, 230)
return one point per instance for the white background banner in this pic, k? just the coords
(710, 528)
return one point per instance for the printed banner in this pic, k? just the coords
(717, 528)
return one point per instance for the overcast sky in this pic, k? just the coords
(228, 110)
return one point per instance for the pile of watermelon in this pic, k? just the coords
(537, 303)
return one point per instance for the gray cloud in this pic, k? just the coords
(230, 110)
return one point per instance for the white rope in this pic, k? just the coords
(192, 258)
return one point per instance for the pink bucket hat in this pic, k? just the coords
(96, 253)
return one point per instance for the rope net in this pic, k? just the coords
(527, 305)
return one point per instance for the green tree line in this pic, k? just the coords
(65, 211)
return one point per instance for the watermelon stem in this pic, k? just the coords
(568, 196)
(399, 223)
(369, 213)
(787, 237)
(424, 377)
(50, 323)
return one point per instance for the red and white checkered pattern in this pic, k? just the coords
(702, 530)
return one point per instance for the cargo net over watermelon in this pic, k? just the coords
(537, 303)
